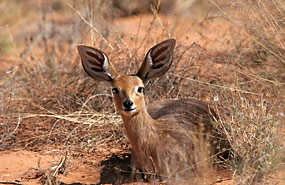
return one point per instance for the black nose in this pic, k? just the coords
(128, 104)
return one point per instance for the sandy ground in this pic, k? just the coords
(26, 167)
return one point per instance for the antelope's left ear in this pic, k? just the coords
(157, 61)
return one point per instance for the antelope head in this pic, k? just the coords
(128, 89)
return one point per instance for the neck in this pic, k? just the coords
(139, 123)
(140, 129)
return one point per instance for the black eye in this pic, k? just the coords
(140, 89)
(115, 90)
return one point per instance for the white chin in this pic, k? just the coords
(129, 112)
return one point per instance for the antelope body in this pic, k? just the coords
(163, 137)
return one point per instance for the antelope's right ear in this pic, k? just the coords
(96, 64)
(157, 61)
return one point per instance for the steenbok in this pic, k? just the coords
(166, 139)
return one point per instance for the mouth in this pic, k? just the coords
(130, 110)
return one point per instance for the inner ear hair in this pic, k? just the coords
(96, 64)
(157, 61)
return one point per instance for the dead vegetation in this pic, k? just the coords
(46, 99)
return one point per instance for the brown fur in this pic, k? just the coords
(163, 140)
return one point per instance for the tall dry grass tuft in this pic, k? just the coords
(254, 136)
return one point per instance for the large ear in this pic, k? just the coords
(96, 64)
(157, 61)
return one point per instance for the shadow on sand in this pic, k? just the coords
(116, 170)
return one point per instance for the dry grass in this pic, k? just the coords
(262, 21)
(48, 100)
(257, 118)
